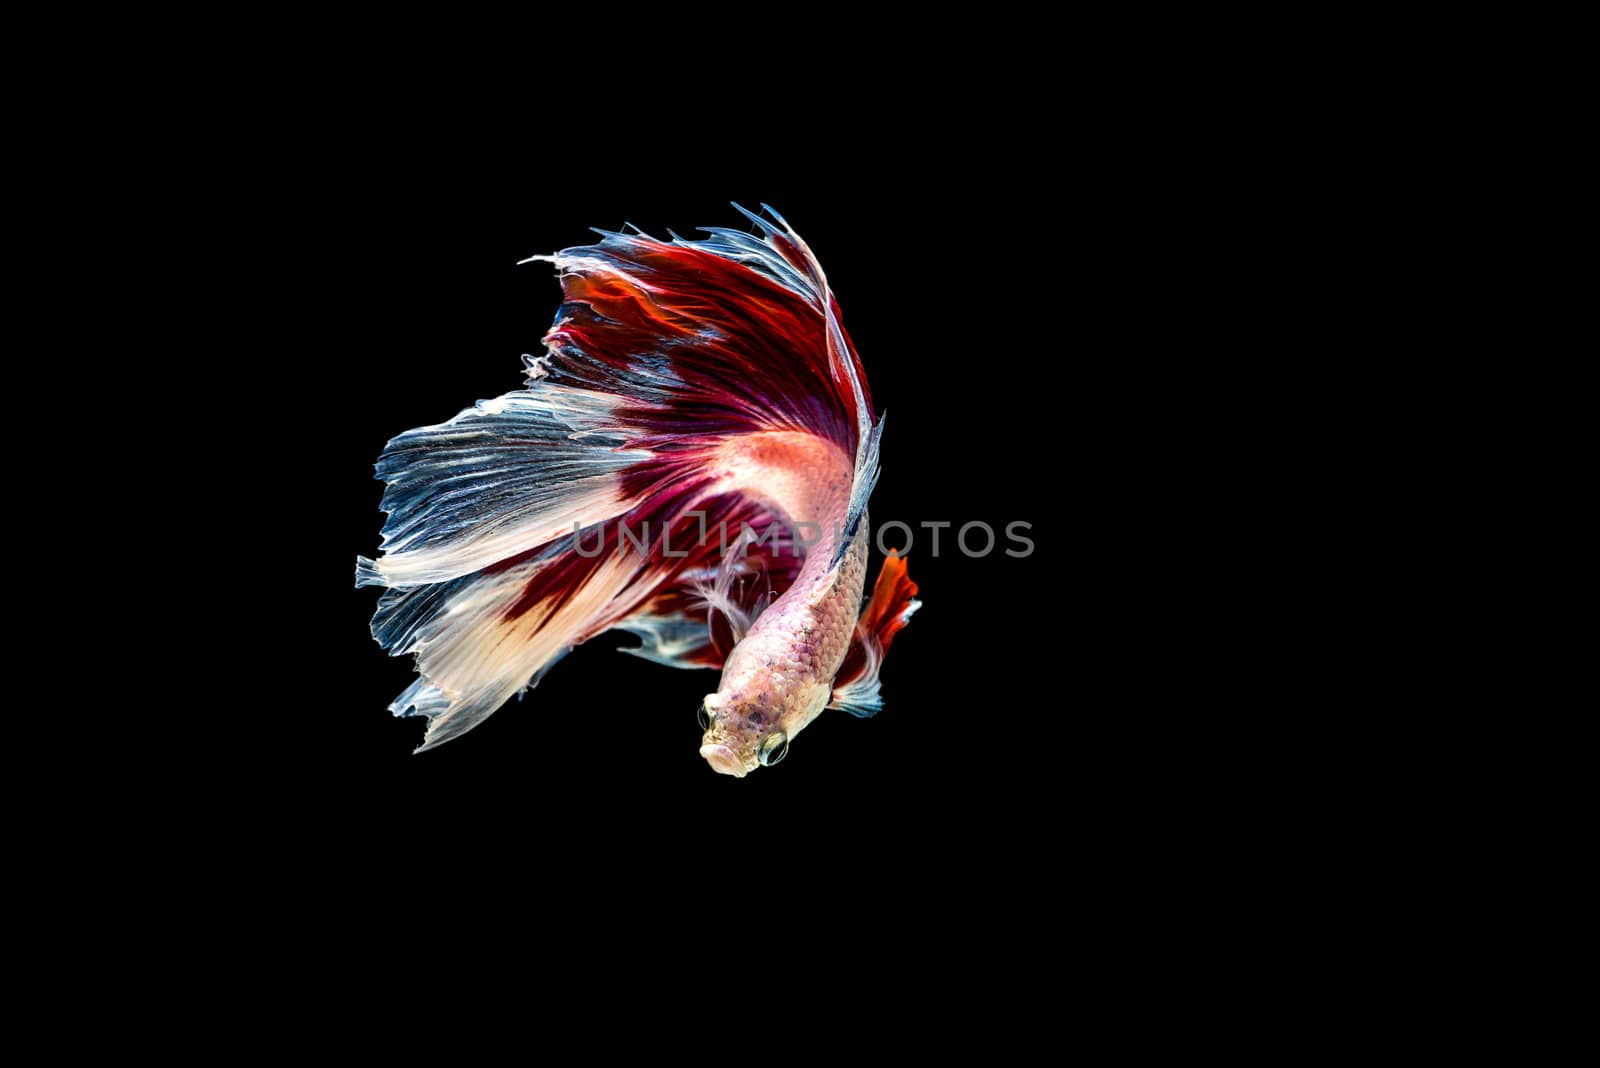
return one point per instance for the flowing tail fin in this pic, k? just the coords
(532, 522)
(888, 610)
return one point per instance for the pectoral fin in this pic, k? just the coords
(856, 687)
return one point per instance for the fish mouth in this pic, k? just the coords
(723, 760)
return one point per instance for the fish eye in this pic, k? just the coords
(705, 718)
(774, 747)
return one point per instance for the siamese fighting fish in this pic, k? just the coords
(689, 461)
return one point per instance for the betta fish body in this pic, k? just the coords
(690, 461)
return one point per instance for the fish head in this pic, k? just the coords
(748, 727)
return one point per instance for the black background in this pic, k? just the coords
(1082, 300)
(1020, 319)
